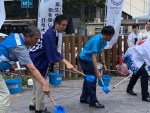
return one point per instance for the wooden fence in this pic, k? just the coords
(72, 42)
(111, 55)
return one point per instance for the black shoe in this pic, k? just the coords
(146, 99)
(31, 107)
(42, 111)
(97, 105)
(131, 92)
(84, 101)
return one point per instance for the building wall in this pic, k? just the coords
(134, 7)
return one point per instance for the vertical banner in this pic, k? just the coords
(48, 10)
(149, 10)
(114, 12)
(2, 13)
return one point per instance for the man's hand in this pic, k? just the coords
(104, 67)
(71, 67)
(98, 74)
(46, 89)
(12, 69)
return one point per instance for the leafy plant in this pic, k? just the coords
(9, 8)
(80, 5)
(24, 78)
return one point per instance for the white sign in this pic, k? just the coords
(114, 12)
(2, 13)
(48, 10)
(149, 10)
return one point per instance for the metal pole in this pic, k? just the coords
(27, 13)
(105, 13)
(137, 21)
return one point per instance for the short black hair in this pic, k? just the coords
(134, 26)
(60, 18)
(147, 21)
(108, 30)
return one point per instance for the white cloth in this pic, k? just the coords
(144, 50)
(4, 96)
(133, 59)
(131, 38)
(143, 34)
(2, 13)
(137, 55)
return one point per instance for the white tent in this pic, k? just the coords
(3, 35)
(141, 16)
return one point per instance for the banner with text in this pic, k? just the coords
(2, 13)
(149, 10)
(114, 12)
(48, 10)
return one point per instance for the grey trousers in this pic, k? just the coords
(4, 96)
(37, 99)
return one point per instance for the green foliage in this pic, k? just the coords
(71, 4)
(75, 77)
(80, 5)
(24, 78)
(9, 8)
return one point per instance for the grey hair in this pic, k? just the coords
(30, 30)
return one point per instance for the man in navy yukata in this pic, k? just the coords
(43, 53)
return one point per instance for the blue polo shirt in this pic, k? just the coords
(94, 45)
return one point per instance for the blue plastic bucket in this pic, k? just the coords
(106, 79)
(55, 78)
(14, 85)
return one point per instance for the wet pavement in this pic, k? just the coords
(68, 94)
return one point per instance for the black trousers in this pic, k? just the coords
(89, 89)
(144, 81)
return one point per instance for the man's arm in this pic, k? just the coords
(103, 60)
(94, 60)
(22, 54)
(36, 74)
(52, 52)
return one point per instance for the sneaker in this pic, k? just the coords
(42, 111)
(97, 105)
(131, 92)
(84, 101)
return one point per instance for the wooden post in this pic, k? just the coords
(73, 51)
(107, 55)
(114, 57)
(125, 43)
(79, 50)
(67, 51)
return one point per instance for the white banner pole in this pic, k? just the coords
(2, 13)
(114, 12)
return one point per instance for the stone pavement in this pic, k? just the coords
(68, 94)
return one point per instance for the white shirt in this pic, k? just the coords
(143, 34)
(131, 38)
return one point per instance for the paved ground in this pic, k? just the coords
(67, 95)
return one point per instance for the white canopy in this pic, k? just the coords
(141, 16)
(3, 35)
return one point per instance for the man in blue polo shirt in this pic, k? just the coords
(13, 49)
(44, 53)
(88, 62)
